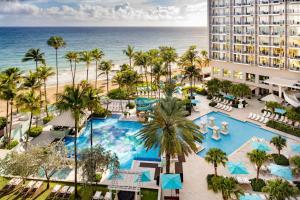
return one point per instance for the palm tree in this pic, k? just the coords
(106, 66)
(129, 52)
(56, 42)
(34, 55)
(203, 61)
(153, 56)
(158, 71)
(44, 73)
(169, 56)
(142, 59)
(295, 161)
(279, 189)
(216, 157)
(87, 57)
(73, 99)
(258, 158)
(29, 102)
(228, 186)
(279, 142)
(170, 131)
(118, 79)
(31, 81)
(97, 55)
(72, 57)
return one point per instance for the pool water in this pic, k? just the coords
(115, 136)
(239, 133)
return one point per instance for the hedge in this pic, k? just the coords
(212, 104)
(257, 184)
(12, 144)
(2, 122)
(118, 94)
(284, 128)
(47, 119)
(101, 113)
(35, 131)
(197, 90)
(280, 160)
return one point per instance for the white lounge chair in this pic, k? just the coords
(276, 117)
(257, 118)
(265, 114)
(199, 147)
(230, 109)
(268, 114)
(108, 196)
(261, 119)
(281, 119)
(253, 116)
(290, 122)
(266, 120)
(250, 115)
(262, 196)
(285, 120)
(97, 195)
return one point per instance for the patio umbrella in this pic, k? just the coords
(250, 197)
(195, 101)
(273, 98)
(280, 111)
(281, 171)
(296, 148)
(260, 146)
(237, 168)
(171, 182)
(144, 177)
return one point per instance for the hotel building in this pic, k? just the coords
(256, 42)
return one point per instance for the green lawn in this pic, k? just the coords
(86, 192)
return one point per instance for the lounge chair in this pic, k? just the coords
(218, 105)
(242, 180)
(253, 116)
(250, 115)
(54, 192)
(285, 120)
(196, 109)
(199, 147)
(268, 114)
(276, 117)
(297, 124)
(34, 189)
(108, 196)
(62, 192)
(11, 185)
(27, 188)
(262, 196)
(230, 103)
(264, 113)
(97, 195)
(68, 194)
(223, 107)
(257, 118)
(229, 109)
(262, 119)
(266, 120)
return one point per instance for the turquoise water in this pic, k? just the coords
(239, 133)
(118, 137)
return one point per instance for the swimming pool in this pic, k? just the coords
(115, 136)
(239, 133)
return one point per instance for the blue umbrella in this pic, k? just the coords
(195, 101)
(280, 111)
(250, 197)
(296, 148)
(144, 177)
(171, 182)
(260, 146)
(237, 168)
(281, 171)
(117, 176)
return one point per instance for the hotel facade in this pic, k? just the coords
(256, 42)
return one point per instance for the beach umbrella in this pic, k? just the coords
(296, 148)
(280, 111)
(281, 171)
(260, 146)
(144, 177)
(195, 101)
(250, 197)
(237, 168)
(171, 182)
(272, 98)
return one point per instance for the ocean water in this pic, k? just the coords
(15, 41)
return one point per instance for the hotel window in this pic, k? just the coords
(227, 73)
(262, 79)
(238, 75)
(250, 77)
(216, 71)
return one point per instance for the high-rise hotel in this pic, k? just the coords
(256, 42)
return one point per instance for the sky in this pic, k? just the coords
(103, 13)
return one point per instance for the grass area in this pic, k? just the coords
(85, 191)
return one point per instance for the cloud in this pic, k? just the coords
(91, 12)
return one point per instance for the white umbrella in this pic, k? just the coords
(273, 98)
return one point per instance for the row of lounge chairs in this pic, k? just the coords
(266, 116)
(224, 107)
(59, 192)
(10, 186)
(222, 101)
(262, 196)
(98, 196)
(258, 118)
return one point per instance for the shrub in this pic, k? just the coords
(101, 112)
(47, 119)
(12, 144)
(197, 90)
(257, 184)
(35, 131)
(284, 128)
(212, 104)
(117, 94)
(2, 122)
(209, 180)
(130, 105)
(280, 160)
(209, 97)
(98, 177)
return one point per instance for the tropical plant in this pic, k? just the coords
(97, 56)
(295, 162)
(129, 52)
(258, 158)
(31, 82)
(158, 71)
(130, 79)
(228, 186)
(279, 189)
(170, 131)
(72, 99)
(34, 55)
(56, 42)
(213, 86)
(225, 86)
(72, 57)
(293, 114)
(106, 66)
(169, 56)
(87, 57)
(279, 142)
(153, 55)
(272, 105)
(216, 157)
(240, 90)
(202, 62)
(29, 102)
(142, 60)
(44, 72)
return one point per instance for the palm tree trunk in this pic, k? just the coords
(45, 90)
(168, 158)
(106, 83)
(151, 79)
(257, 173)
(216, 169)
(146, 81)
(170, 71)
(56, 62)
(130, 63)
(96, 80)
(10, 125)
(75, 157)
(30, 122)
(75, 69)
(87, 72)
(7, 108)
(72, 72)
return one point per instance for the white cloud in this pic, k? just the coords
(99, 13)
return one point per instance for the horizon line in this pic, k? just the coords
(67, 26)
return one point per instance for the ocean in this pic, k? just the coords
(15, 41)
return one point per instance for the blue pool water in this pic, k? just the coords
(239, 133)
(118, 137)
